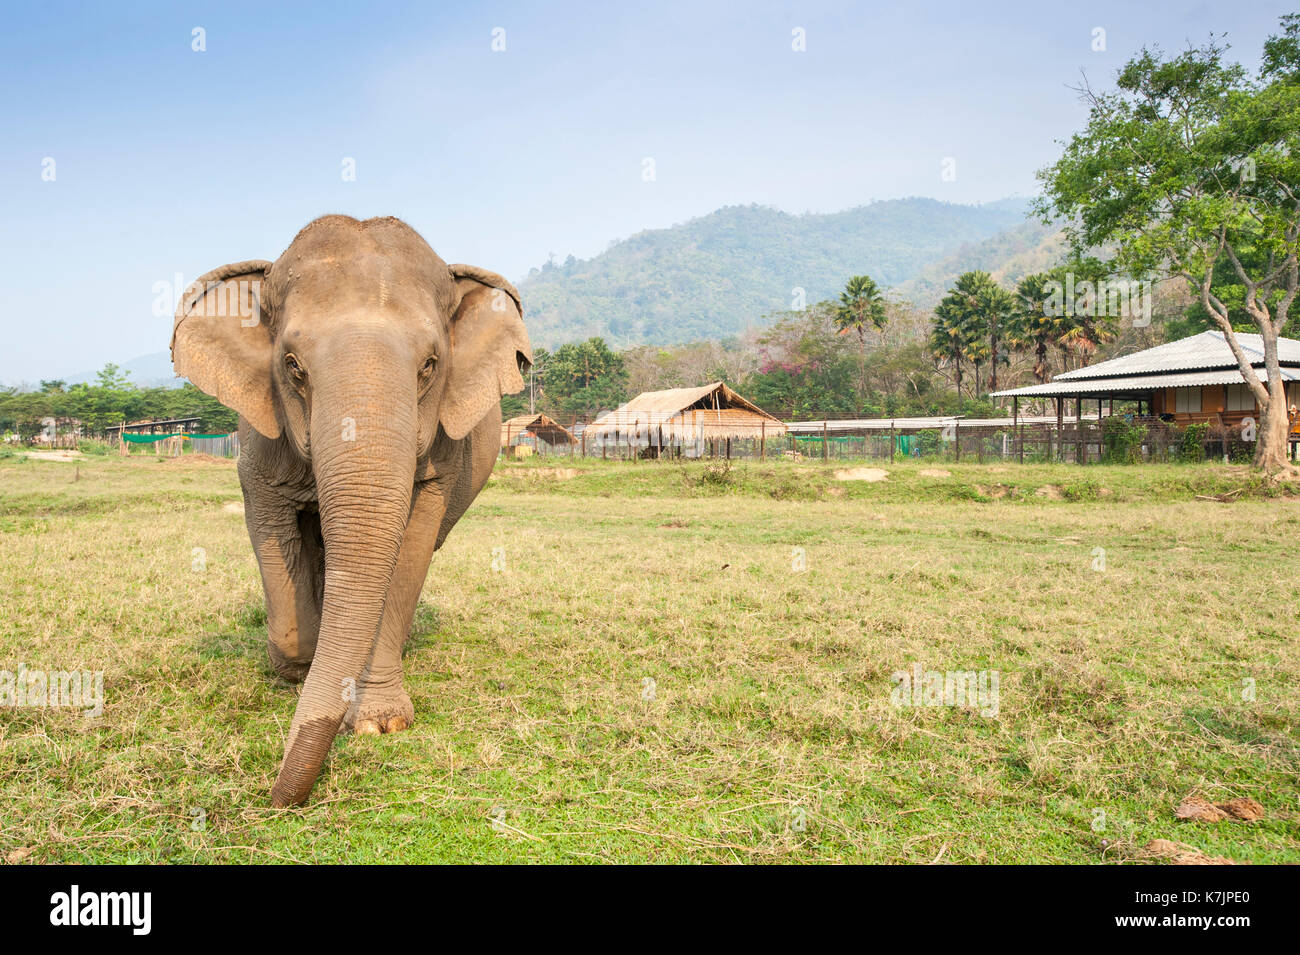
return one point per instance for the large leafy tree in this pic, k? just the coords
(1189, 165)
(583, 378)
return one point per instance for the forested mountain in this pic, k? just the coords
(716, 275)
(1008, 256)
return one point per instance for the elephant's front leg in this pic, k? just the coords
(382, 704)
(291, 559)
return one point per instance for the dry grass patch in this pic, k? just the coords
(670, 668)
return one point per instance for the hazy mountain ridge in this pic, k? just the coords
(1009, 256)
(715, 275)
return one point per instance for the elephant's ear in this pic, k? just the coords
(489, 348)
(222, 341)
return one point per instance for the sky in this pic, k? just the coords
(130, 158)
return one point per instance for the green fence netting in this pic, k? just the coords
(151, 438)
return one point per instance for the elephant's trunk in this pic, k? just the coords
(363, 439)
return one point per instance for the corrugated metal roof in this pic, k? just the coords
(914, 424)
(1137, 383)
(1206, 350)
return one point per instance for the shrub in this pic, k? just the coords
(1191, 444)
(1122, 441)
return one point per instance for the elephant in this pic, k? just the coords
(367, 374)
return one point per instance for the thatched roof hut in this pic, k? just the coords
(513, 430)
(683, 417)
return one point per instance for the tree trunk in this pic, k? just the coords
(1274, 429)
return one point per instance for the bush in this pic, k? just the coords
(1191, 444)
(927, 444)
(1122, 441)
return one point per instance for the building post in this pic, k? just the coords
(1020, 439)
(762, 438)
(826, 447)
(1060, 428)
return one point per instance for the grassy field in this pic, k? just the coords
(677, 663)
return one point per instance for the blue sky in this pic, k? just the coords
(173, 161)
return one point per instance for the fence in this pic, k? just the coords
(179, 444)
(1114, 439)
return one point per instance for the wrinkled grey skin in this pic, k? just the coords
(368, 376)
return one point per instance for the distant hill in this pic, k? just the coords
(716, 275)
(1009, 256)
(148, 371)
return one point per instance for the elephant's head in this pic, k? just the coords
(359, 346)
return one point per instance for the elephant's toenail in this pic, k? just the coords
(366, 728)
(395, 725)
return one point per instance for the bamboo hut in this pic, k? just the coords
(691, 422)
(525, 431)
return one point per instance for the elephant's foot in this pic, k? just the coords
(379, 711)
(292, 669)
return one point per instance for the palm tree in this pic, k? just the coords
(1082, 327)
(986, 311)
(950, 338)
(1033, 328)
(861, 304)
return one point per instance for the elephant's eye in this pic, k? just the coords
(429, 364)
(294, 367)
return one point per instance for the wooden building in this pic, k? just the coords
(1191, 380)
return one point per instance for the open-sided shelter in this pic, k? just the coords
(689, 421)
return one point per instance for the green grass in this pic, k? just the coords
(770, 735)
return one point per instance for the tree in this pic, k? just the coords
(582, 378)
(803, 371)
(978, 312)
(1189, 164)
(861, 306)
(1033, 328)
(950, 339)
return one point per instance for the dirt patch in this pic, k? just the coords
(935, 472)
(1175, 853)
(68, 455)
(995, 491)
(559, 474)
(861, 474)
(197, 459)
(233, 507)
(1241, 809)
(1051, 492)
